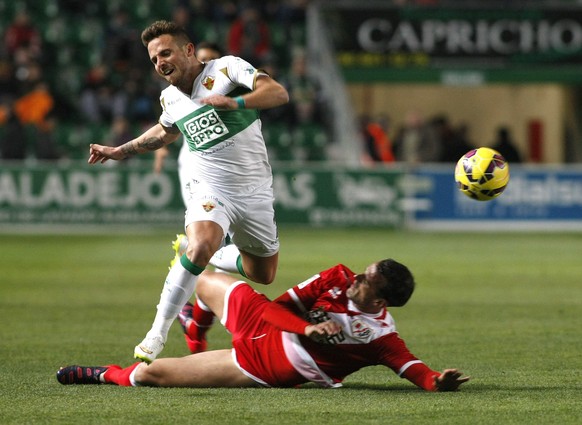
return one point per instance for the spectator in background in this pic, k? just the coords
(8, 121)
(138, 99)
(25, 100)
(120, 131)
(22, 34)
(453, 144)
(377, 144)
(306, 97)
(415, 141)
(8, 81)
(249, 36)
(122, 44)
(182, 15)
(33, 110)
(46, 145)
(96, 96)
(505, 145)
(13, 141)
(207, 51)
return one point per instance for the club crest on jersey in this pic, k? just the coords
(360, 330)
(335, 292)
(208, 206)
(208, 83)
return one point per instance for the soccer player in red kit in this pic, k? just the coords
(320, 331)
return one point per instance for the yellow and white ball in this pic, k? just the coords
(482, 174)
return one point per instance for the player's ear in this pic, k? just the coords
(190, 49)
(381, 302)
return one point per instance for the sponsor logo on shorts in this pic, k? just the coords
(205, 128)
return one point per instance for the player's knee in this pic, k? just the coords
(200, 253)
(203, 287)
(264, 277)
(146, 375)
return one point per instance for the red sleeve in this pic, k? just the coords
(397, 356)
(282, 314)
(286, 313)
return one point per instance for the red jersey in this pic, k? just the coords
(365, 340)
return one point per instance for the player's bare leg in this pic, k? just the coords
(204, 238)
(260, 269)
(207, 369)
(211, 289)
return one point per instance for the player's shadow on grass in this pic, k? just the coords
(356, 386)
(381, 387)
(471, 386)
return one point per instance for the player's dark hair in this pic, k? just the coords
(160, 28)
(399, 282)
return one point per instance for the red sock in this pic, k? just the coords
(116, 375)
(202, 321)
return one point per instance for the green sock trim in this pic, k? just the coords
(239, 266)
(190, 266)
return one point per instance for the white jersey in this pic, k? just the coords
(227, 149)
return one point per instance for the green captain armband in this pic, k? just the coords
(240, 102)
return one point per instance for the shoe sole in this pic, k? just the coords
(141, 356)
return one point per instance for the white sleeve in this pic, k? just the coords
(242, 73)
(165, 119)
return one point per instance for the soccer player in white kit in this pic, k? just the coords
(205, 52)
(215, 106)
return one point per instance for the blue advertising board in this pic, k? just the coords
(425, 197)
(548, 198)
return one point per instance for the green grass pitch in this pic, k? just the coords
(505, 308)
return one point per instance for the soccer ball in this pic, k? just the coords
(482, 174)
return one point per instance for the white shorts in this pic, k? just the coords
(249, 220)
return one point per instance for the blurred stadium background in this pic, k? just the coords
(386, 95)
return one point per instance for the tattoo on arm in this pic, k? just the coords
(149, 144)
(128, 149)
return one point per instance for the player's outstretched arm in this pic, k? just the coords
(151, 140)
(449, 380)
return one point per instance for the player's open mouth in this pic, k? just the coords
(167, 72)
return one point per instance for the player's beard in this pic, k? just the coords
(351, 291)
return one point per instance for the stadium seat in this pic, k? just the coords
(312, 140)
(279, 142)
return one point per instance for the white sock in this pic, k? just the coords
(178, 289)
(202, 305)
(226, 259)
(132, 376)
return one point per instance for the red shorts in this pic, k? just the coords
(258, 347)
